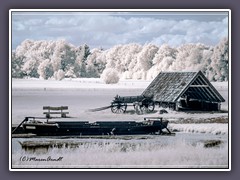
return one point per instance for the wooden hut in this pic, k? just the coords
(184, 91)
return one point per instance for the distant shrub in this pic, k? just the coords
(59, 75)
(110, 76)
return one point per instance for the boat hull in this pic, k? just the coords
(98, 128)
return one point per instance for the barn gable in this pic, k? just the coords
(170, 87)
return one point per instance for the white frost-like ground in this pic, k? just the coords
(161, 152)
(29, 96)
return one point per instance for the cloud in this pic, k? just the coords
(109, 29)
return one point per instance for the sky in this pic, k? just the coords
(107, 29)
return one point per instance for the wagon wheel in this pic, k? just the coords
(119, 108)
(148, 106)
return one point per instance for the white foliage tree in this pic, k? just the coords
(70, 73)
(30, 68)
(206, 60)
(162, 61)
(112, 57)
(82, 53)
(218, 69)
(195, 58)
(144, 61)
(182, 57)
(17, 63)
(95, 64)
(131, 60)
(24, 48)
(57, 55)
(190, 58)
(45, 69)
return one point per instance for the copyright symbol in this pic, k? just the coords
(23, 158)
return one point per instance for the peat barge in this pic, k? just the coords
(32, 125)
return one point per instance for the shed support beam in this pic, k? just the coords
(198, 86)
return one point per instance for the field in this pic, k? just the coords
(184, 150)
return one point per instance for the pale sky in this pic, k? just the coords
(106, 29)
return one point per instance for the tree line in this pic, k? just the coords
(60, 59)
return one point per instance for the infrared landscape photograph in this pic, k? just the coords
(120, 90)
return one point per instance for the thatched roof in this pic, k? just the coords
(170, 86)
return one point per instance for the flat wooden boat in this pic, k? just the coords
(31, 125)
